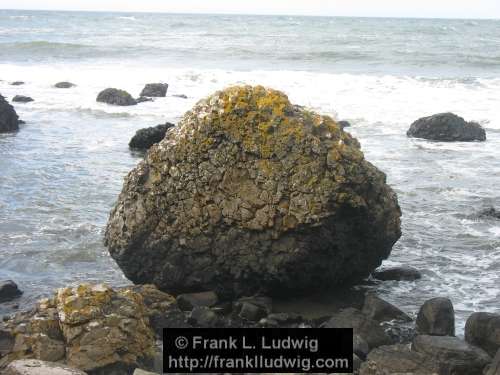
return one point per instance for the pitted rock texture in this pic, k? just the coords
(251, 193)
(90, 327)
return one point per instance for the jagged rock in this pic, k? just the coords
(9, 290)
(17, 83)
(367, 328)
(145, 138)
(452, 355)
(116, 97)
(157, 90)
(235, 198)
(397, 274)
(397, 359)
(436, 318)
(188, 301)
(91, 327)
(9, 121)
(446, 127)
(22, 99)
(483, 330)
(494, 367)
(64, 85)
(37, 367)
(382, 311)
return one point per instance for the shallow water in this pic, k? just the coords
(61, 173)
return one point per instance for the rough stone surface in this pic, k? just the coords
(90, 327)
(483, 330)
(9, 121)
(397, 274)
(344, 124)
(155, 90)
(367, 328)
(64, 85)
(446, 127)
(9, 290)
(188, 301)
(251, 193)
(37, 367)
(22, 99)
(116, 97)
(382, 311)
(494, 367)
(147, 137)
(452, 355)
(436, 318)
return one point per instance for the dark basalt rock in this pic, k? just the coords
(483, 330)
(344, 124)
(143, 99)
(446, 127)
(436, 318)
(147, 137)
(494, 367)
(189, 301)
(397, 274)
(250, 194)
(22, 99)
(17, 83)
(9, 121)
(116, 97)
(382, 311)
(64, 85)
(9, 290)
(490, 213)
(157, 90)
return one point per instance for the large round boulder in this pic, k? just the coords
(9, 121)
(446, 127)
(251, 193)
(116, 97)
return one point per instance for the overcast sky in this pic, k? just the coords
(370, 8)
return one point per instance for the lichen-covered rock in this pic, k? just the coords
(155, 90)
(116, 97)
(9, 121)
(446, 127)
(91, 327)
(145, 138)
(251, 193)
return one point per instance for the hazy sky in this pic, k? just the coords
(375, 8)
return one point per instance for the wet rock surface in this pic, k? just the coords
(147, 137)
(382, 311)
(9, 290)
(446, 127)
(235, 198)
(397, 274)
(155, 90)
(436, 318)
(116, 97)
(483, 330)
(22, 99)
(9, 121)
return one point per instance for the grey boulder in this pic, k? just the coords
(157, 90)
(9, 121)
(116, 97)
(483, 329)
(436, 317)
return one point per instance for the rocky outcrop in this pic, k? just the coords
(9, 290)
(251, 193)
(446, 127)
(382, 311)
(116, 97)
(157, 90)
(147, 137)
(483, 330)
(64, 85)
(436, 318)
(22, 99)
(397, 274)
(36, 367)
(9, 121)
(91, 327)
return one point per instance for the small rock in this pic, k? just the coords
(22, 99)
(9, 121)
(483, 330)
(494, 367)
(397, 274)
(453, 355)
(490, 213)
(145, 138)
(263, 302)
(344, 124)
(37, 367)
(9, 290)
(116, 97)
(64, 85)
(187, 302)
(285, 318)
(382, 311)
(17, 83)
(182, 96)
(143, 99)
(446, 127)
(203, 317)
(155, 90)
(251, 312)
(436, 318)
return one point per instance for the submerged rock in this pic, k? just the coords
(157, 90)
(37, 367)
(22, 99)
(64, 85)
(9, 290)
(251, 193)
(436, 318)
(17, 83)
(490, 213)
(9, 121)
(483, 330)
(116, 97)
(147, 137)
(397, 274)
(446, 127)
